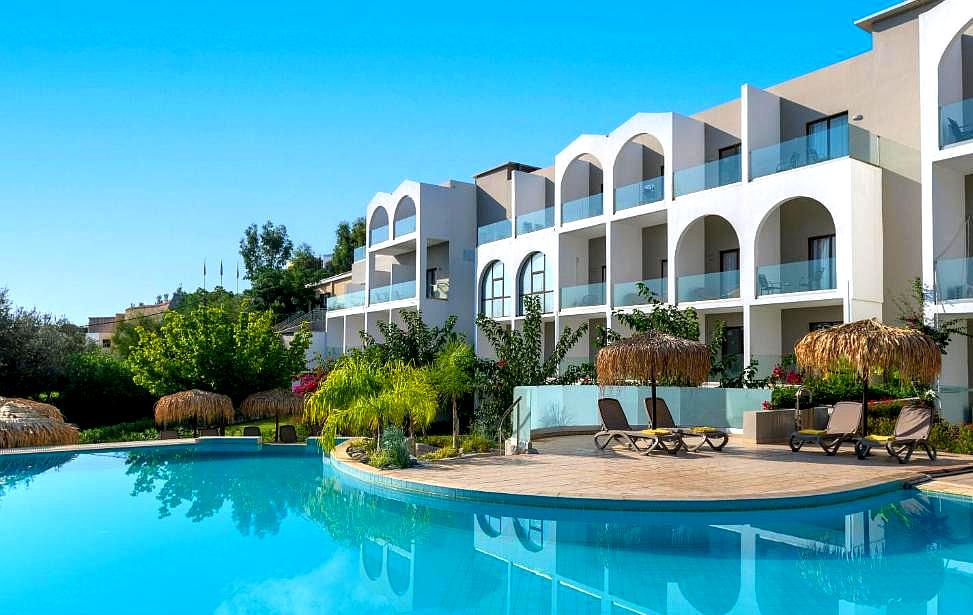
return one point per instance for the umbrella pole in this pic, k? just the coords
(865, 401)
(277, 426)
(654, 422)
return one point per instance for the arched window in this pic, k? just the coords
(494, 300)
(535, 281)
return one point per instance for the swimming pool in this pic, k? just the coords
(166, 530)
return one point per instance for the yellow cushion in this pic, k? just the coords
(656, 432)
(705, 429)
(813, 432)
(881, 438)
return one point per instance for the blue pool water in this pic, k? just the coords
(174, 531)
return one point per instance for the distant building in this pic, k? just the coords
(101, 329)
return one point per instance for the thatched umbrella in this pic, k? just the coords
(201, 406)
(653, 356)
(29, 423)
(866, 345)
(275, 403)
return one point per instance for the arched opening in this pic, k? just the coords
(378, 226)
(708, 261)
(956, 89)
(638, 172)
(372, 555)
(795, 249)
(405, 217)
(581, 189)
(535, 280)
(494, 299)
(399, 572)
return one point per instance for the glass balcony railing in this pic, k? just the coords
(546, 299)
(796, 277)
(583, 295)
(708, 286)
(393, 292)
(355, 298)
(359, 253)
(378, 234)
(493, 232)
(800, 152)
(954, 279)
(579, 209)
(535, 220)
(640, 193)
(708, 175)
(627, 293)
(405, 226)
(956, 122)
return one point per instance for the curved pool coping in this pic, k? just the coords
(420, 491)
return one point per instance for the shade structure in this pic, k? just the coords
(865, 345)
(275, 403)
(201, 406)
(24, 422)
(651, 357)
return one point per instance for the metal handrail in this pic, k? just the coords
(503, 419)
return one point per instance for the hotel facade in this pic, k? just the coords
(812, 202)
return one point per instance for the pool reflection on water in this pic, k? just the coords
(158, 530)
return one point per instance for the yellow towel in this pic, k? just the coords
(878, 438)
(705, 429)
(656, 432)
(813, 432)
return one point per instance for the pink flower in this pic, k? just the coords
(768, 406)
(794, 378)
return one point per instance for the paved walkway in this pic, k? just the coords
(569, 466)
(961, 484)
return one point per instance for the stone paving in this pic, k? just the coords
(961, 484)
(570, 466)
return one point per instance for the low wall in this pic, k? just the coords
(545, 408)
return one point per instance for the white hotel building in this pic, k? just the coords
(811, 202)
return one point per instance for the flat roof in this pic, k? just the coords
(333, 278)
(510, 164)
(868, 23)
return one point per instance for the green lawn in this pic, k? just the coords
(267, 429)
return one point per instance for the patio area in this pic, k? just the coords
(570, 466)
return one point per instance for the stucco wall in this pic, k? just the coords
(794, 323)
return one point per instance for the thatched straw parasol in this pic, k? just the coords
(275, 403)
(29, 423)
(653, 356)
(201, 406)
(867, 345)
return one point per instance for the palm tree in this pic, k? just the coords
(453, 377)
(364, 394)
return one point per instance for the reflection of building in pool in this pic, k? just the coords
(828, 564)
(390, 568)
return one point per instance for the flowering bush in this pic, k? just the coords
(768, 405)
(306, 384)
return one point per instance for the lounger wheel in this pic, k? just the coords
(719, 447)
(796, 443)
(861, 450)
(931, 451)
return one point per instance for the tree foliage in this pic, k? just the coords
(266, 247)
(913, 311)
(100, 390)
(453, 376)
(347, 238)
(279, 274)
(417, 344)
(34, 350)
(210, 349)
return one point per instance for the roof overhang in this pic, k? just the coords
(868, 23)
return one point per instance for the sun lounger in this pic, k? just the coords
(614, 426)
(168, 434)
(842, 427)
(251, 430)
(713, 437)
(287, 434)
(912, 429)
(209, 431)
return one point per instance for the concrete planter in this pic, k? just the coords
(768, 426)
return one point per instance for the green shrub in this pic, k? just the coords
(437, 441)
(477, 443)
(143, 429)
(99, 390)
(394, 453)
(443, 453)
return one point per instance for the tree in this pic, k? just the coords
(913, 310)
(34, 350)
(347, 238)
(100, 390)
(417, 344)
(210, 349)
(267, 247)
(453, 377)
(520, 360)
(364, 394)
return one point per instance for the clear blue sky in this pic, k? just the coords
(135, 141)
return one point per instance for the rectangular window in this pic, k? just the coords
(664, 269)
(821, 268)
(827, 138)
(729, 260)
(431, 283)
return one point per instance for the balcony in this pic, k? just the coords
(803, 151)
(405, 226)
(535, 220)
(359, 254)
(709, 286)
(796, 277)
(493, 232)
(583, 295)
(708, 175)
(627, 293)
(579, 209)
(956, 122)
(378, 234)
(640, 193)
(393, 292)
(351, 299)
(954, 279)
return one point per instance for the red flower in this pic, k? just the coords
(768, 406)
(501, 364)
(794, 378)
